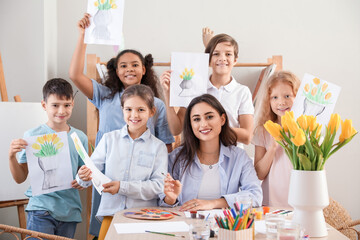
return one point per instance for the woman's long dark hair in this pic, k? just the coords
(113, 81)
(191, 143)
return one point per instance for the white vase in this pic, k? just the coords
(308, 195)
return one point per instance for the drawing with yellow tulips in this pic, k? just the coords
(302, 140)
(48, 144)
(317, 92)
(105, 4)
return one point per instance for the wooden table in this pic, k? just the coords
(119, 218)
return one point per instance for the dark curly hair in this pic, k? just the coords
(113, 81)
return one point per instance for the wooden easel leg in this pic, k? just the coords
(88, 212)
(22, 218)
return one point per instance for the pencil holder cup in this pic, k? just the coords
(246, 234)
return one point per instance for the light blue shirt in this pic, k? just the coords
(137, 164)
(64, 205)
(237, 177)
(111, 115)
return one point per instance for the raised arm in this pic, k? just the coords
(175, 120)
(76, 71)
(207, 34)
(245, 132)
(18, 170)
(264, 159)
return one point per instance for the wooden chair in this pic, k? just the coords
(10, 230)
(338, 217)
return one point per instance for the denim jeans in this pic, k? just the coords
(42, 221)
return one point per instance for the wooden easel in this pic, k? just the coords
(20, 204)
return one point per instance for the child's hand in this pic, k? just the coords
(84, 23)
(74, 184)
(85, 173)
(165, 83)
(17, 145)
(207, 35)
(112, 187)
(172, 189)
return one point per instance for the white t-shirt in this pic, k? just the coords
(236, 100)
(210, 182)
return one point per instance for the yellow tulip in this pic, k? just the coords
(96, 4)
(299, 138)
(274, 129)
(324, 87)
(53, 137)
(36, 146)
(56, 140)
(113, 6)
(318, 131)
(311, 121)
(313, 91)
(316, 81)
(181, 76)
(102, 1)
(302, 122)
(347, 130)
(307, 87)
(60, 145)
(284, 118)
(45, 138)
(40, 140)
(289, 122)
(334, 123)
(327, 96)
(186, 70)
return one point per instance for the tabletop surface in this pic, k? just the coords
(120, 218)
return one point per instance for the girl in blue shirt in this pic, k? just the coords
(208, 170)
(132, 157)
(128, 68)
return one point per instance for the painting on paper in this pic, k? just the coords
(189, 77)
(105, 23)
(98, 178)
(316, 97)
(49, 163)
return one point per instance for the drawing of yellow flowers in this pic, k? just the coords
(319, 92)
(48, 144)
(105, 4)
(187, 75)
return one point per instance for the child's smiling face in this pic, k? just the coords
(130, 70)
(281, 98)
(58, 109)
(223, 58)
(136, 114)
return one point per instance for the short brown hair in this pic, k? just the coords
(219, 38)
(58, 86)
(140, 90)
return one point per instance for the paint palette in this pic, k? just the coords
(150, 214)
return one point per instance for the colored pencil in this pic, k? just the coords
(167, 234)
(172, 213)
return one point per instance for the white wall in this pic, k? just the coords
(318, 37)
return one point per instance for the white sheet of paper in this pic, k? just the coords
(49, 173)
(178, 226)
(105, 23)
(316, 97)
(98, 178)
(189, 77)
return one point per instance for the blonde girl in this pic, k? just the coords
(271, 163)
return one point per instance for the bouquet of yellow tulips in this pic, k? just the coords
(302, 140)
